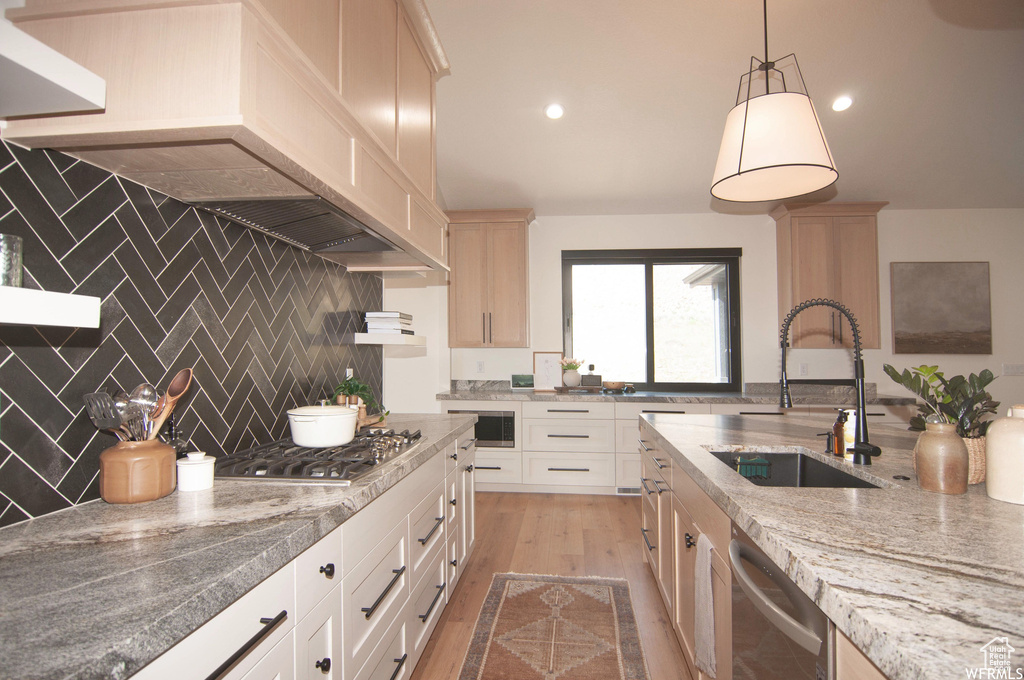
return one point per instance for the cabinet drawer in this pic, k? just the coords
(426, 605)
(277, 664)
(757, 410)
(493, 467)
(569, 469)
(317, 570)
(633, 410)
(451, 563)
(318, 640)
(709, 518)
(196, 656)
(569, 409)
(569, 435)
(391, 659)
(649, 536)
(451, 458)
(426, 529)
(373, 594)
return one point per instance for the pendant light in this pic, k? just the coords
(773, 147)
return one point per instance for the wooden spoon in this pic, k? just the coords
(179, 385)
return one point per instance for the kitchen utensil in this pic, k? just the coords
(323, 425)
(104, 414)
(10, 260)
(146, 396)
(178, 386)
(133, 472)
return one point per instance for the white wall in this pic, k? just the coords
(995, 236)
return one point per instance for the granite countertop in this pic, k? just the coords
(919, 581)
(98, 590)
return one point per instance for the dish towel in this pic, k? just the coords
(704, 609)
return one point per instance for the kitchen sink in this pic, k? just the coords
(770, 468)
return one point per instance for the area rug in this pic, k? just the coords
(555, 628)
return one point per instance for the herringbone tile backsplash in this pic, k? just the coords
(258, 320)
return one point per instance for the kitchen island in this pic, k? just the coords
(920, 582)
(98, 590)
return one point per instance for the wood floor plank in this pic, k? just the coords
(562, 534)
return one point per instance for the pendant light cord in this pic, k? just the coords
(766, 31)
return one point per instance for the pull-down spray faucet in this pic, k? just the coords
(863, 450)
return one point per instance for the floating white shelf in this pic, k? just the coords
(388, 339)
(29, 307)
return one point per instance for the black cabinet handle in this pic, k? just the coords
(657, 485)
(440, 521)
(568, 469)
(569, 436)
(324, 665)
(400, 663)
(643, 483)
(453, 501)
(454, 563)
(328, 570)
(643, 532)
(664, 412)
(268, 626)
(488, 467)
(368, 611)
(689, 540)
(643, 445)
(469, 468)
(440, 589)
(568, 410)
(483, 327)
(454, 456)
(657, 461)
(468, 444)
(762, 413)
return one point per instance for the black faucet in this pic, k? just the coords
(863, 450)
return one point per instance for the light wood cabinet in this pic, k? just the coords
(263, 99)
(851, 664)
(488, 294)
(829, 251)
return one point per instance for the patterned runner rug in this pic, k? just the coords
(536, 627)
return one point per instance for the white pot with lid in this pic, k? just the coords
(323, 425)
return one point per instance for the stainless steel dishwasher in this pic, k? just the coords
(778, 633)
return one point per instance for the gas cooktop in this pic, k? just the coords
(283, 461)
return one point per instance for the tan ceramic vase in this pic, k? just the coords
(134, 472)
(1004, 480)
(941, 459)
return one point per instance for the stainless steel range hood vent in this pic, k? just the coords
(311, 224)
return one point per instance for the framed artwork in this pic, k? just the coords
(941, 308)
(547, 372)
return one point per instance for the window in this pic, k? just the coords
(660, 319)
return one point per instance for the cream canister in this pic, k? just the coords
(195, 472)
(1004, 457)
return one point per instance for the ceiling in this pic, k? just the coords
(937, 119)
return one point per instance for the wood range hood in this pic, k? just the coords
(312, 121)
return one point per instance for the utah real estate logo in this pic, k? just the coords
(998, 656)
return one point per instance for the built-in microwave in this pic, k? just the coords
(494, 429)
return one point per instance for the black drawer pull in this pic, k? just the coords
(643, 532)
(454, 456)
(643, 483)
(440, 589)
(324, 665)
(568, 410)
(568, 469)
(440, 521)
(657, 461)
(643, 445)
(657, 485)
(654, 411)
(400, 662)
(268, 626)
(488, 467)
(380, 598)
(762, 413)
(328, 570)
(469, 468)
(454, 563)
(569, 436)
(453, 502)
(689, 540)
(468, 444)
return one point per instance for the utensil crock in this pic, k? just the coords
(135, 472)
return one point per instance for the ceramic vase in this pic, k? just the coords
(134, 472)
(1004, 461)
(941, 459)
(571, 378)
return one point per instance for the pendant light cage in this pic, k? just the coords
(773, 147)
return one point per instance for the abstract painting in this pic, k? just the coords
(941, 308)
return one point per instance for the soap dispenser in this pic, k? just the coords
(839, 433)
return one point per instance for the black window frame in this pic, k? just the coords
(649, 257)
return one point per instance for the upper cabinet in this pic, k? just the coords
(829, 251)
(489, 288)
(220, 100)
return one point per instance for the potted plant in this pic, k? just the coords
(570, 372)
(355, 393)
(963, 402)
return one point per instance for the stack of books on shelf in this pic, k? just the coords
(389, 322)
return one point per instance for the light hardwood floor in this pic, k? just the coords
(561, 534)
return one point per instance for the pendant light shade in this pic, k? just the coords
(773, 147)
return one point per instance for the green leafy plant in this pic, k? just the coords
(351, 387)
(961, 401)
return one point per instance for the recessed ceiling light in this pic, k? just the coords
(554, 111)
(841, 103)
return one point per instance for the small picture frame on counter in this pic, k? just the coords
(547, 372)
(522, 382)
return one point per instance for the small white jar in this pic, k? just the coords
(195, 472)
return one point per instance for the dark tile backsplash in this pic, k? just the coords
(259, 322)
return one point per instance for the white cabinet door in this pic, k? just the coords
(318, 640)
(569, 469)
(426, 605)
(277, 664)
(426, 526)
(496, 467)
(627, 470)
(467, 508)
(317, 571)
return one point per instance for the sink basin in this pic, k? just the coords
(766, 468)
